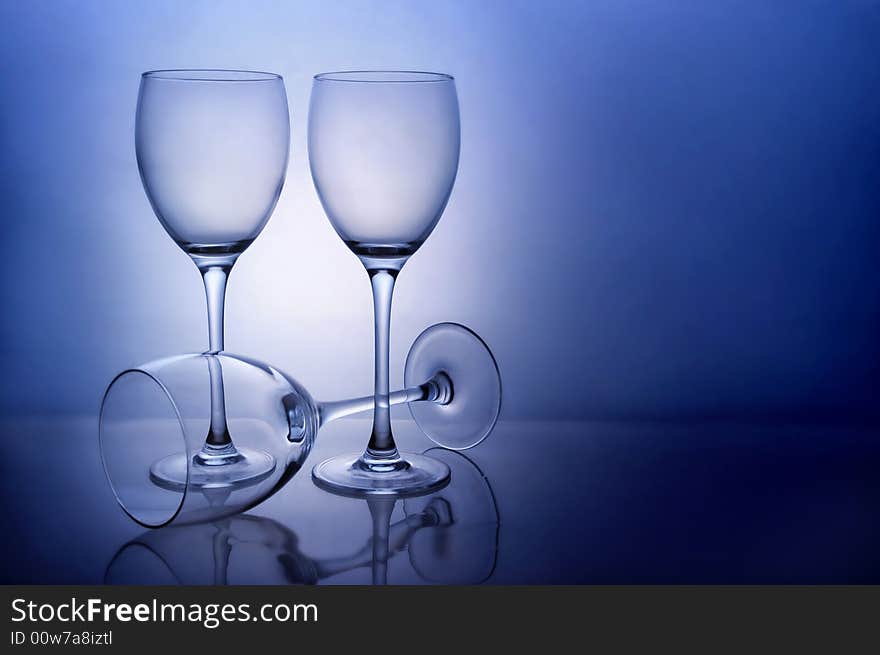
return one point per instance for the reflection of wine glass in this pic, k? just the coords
(462, 545)
(159, 412)
(451, 537)
(463, 549)
(175, 554)
(383, 149)
(212, 149)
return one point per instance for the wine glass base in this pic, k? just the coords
(345, 475)
(466, 361)
(249, 468)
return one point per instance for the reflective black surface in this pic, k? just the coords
(577, 503)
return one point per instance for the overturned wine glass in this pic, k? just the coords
(158, 413)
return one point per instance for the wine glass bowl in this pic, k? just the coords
(383, 149)
(152, 427)
(212, 149)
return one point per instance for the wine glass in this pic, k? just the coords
(159, 412)
(212, 149)
(383, 150)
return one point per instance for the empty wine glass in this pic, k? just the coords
(383, 149)
(212, 149)
(159, 412)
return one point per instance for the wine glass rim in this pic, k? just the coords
(210, 75)
(136, 371)
(384, 77)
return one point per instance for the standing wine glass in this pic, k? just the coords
(383, 149)
(212, 148)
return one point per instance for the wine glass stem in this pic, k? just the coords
(381, 446)
(434, 390)
(215, 277)
(218, 431)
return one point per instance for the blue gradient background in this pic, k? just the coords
(663, 209)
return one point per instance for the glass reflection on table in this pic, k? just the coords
(451, 537)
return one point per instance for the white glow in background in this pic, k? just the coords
(641, 225)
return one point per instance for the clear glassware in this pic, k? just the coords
(451, 537)
(383, 150)
(155, 416)
(212, 149)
